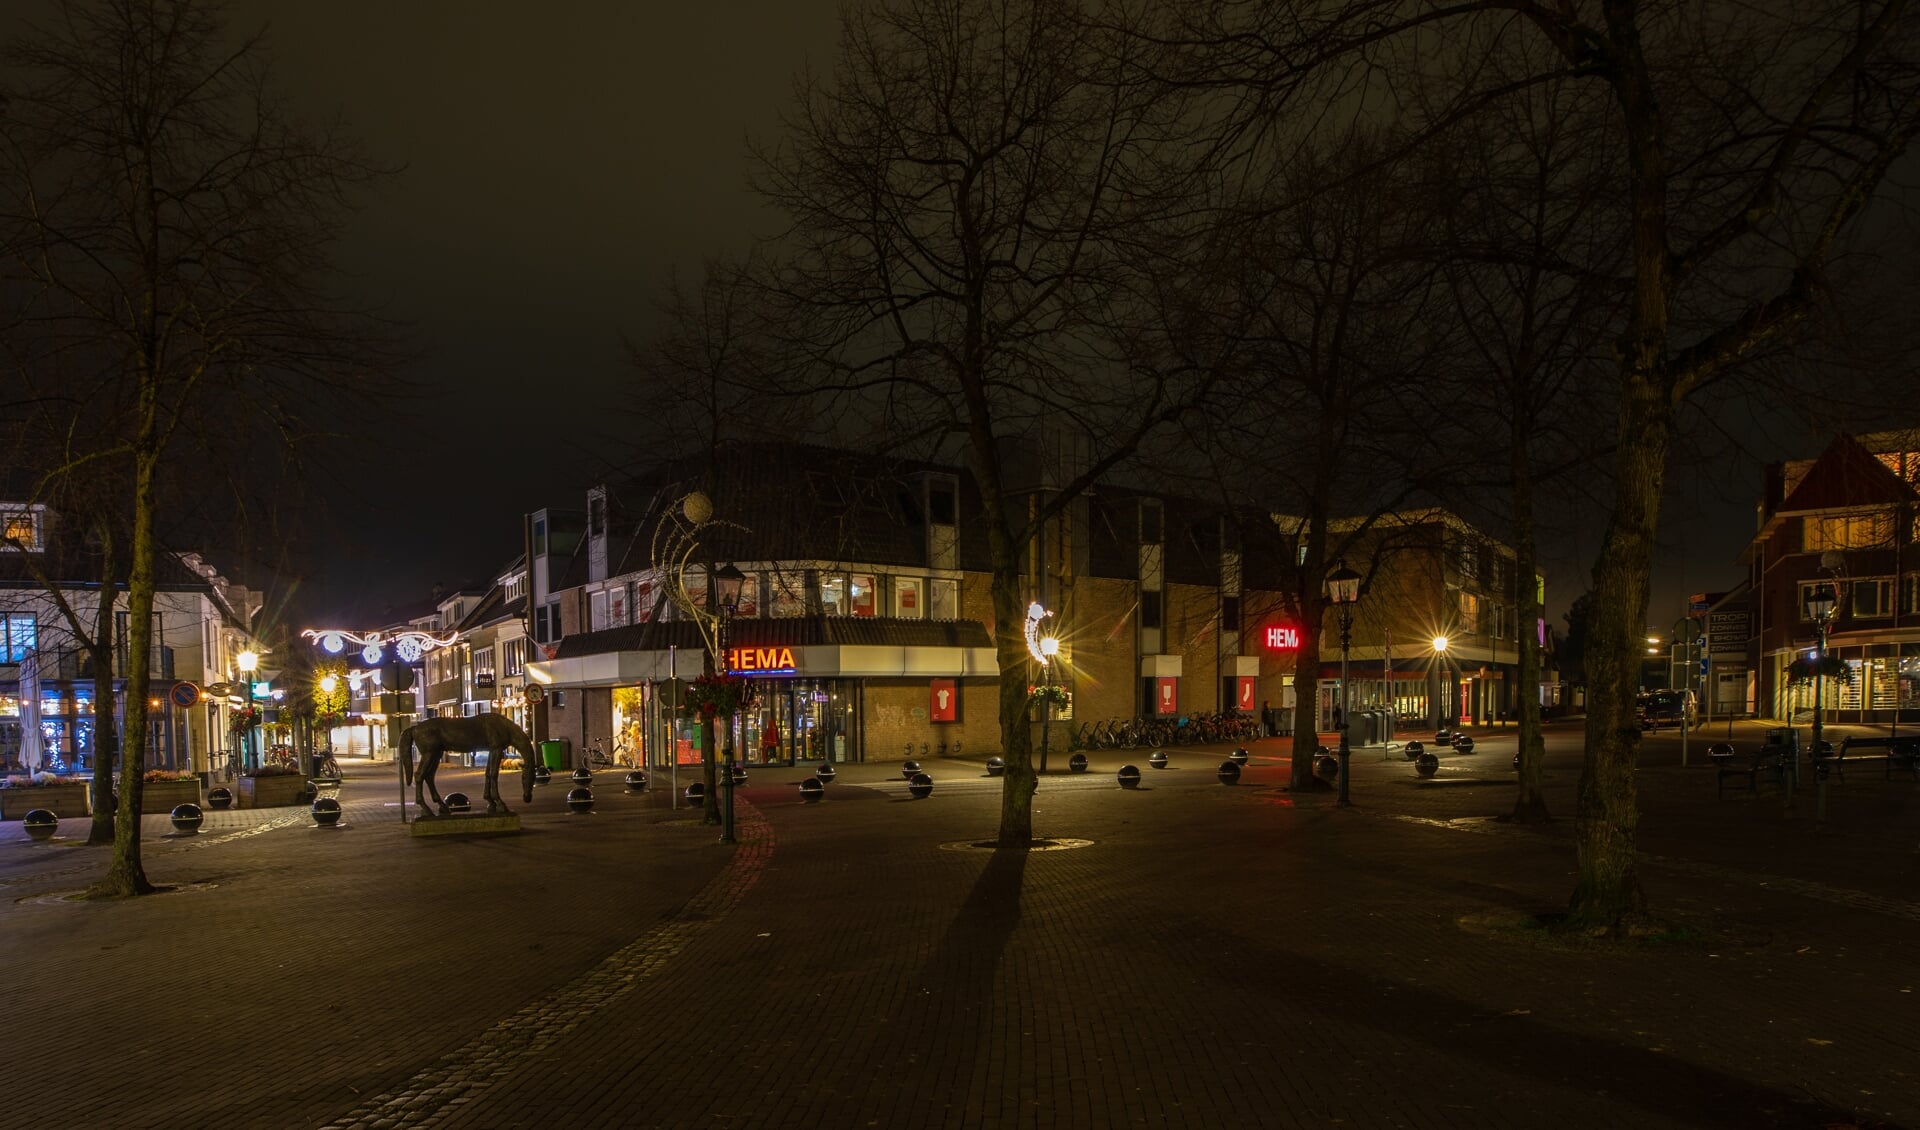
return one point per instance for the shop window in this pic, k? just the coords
(861, 594)
(908, 598)
(943, 600)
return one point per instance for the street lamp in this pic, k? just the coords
(727, 583)
(1820, 602)
(1043, 649)
(1440, 696)
(249, 662)
(1343, 588)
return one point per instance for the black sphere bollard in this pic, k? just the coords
(909, 768)
(1720, 750)
(995, 766)
(1426, 765)
(1516, 763)
(1413, 750)
(636, 781)
(40, 824)
(1077, 763)
(921, 786)
(1443, 736)
(1326, 767)
(825, 773)
(542, 774)
(739, 774)
(1129, 777)
(457, 802)
(583, 776)
(580, 798)
(1229, 772)
(1158, 759)
(326, 812)
(221, 798)
(811, 790)
(1462, 744)
(696, 793)
(187, 818)
(1238, 756)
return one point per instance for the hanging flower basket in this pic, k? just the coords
(711, 695)
(1055, 695)
(1804, 670)
(244, 719)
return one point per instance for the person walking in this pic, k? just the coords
(769, 742)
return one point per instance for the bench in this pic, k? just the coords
(1902, 753)
(1728, 766)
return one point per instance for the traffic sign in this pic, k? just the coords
(183, 694)
(535, 693)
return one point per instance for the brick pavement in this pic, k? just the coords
(1214, 957)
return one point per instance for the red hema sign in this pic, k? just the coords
(1283, 637)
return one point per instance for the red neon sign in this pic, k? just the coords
(1281, 637)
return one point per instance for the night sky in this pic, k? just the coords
(558, 162)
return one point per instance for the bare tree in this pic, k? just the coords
(168, 223)
(964, 198)
(1755, 135)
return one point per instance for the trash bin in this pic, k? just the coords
(317, 760)
(554, 753)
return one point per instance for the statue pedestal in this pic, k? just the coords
(467, 824)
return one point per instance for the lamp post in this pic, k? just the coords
(1820, 602)
(1440, 695)
(727, 582)
(249, 661)
(1343, 588)
(1043, 649)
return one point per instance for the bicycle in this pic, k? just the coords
(328, 767)
(598, 758)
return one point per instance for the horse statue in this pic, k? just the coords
(494, 733)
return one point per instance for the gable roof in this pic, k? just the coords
(1846, 475)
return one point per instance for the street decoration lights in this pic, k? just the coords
(249, 661)
(677, 536)
(1343, 588)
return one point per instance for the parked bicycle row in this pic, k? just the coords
(1191, 729)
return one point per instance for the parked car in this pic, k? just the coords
(1668, 708)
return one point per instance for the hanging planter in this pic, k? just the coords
(244, 719)
(1804, 670)
(711, 695)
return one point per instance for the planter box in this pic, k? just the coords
(161, 797)
(62, 800)
(271, 792)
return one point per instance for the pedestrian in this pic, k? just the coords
(769, 742)
(1336, 719)
(1266, 717)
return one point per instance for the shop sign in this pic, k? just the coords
(1282, 637)
(1166, 694)
(1243, 692)
(943, 702)
(760, 660)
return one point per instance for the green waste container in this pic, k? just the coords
(554, 753)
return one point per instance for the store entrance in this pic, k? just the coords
(804, 720)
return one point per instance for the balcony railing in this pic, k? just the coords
(70, 665)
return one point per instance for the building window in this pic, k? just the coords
(861, 592)
(1467, 559)
(22, 531)
(1469, 613)
(943, 600)
(1229, 613)
(539, 537)
(789, 594)
(16, 638)
(1150, 608)
(833, 596)
(1807, 589)
(516, 587)
(597, 610)
(942, 502)
(513, 657)
(1873, 598)
(1910, 594)
(1848, 531)
(908, 602)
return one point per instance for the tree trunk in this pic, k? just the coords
(105, 736)
(1306, 700)
(1529, 805)
(1010, 650)
(1608, 894)
(127, 875)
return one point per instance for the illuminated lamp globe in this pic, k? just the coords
(697, 507)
